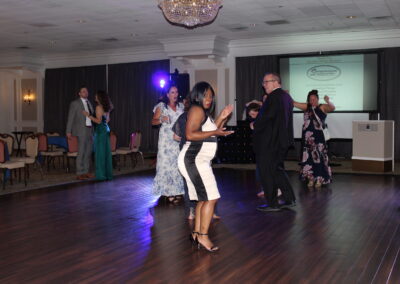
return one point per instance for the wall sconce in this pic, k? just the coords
(28, 97)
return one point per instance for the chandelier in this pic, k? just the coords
(190, 13)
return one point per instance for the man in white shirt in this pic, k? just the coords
(81, 126)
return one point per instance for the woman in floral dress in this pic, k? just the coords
(315, 164)
(168, 181)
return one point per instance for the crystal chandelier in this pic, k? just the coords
(190, 13)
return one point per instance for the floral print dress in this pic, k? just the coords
(168, 180)
(314, 163)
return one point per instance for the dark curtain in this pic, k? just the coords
(62, 85)
(249, 74)
(389, 95)
(134, 95)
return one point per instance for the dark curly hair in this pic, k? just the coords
(197, 96)
(104, 100)
(311, 93)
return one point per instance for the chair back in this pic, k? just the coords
(72, 144)
(42, 142)
(138, 140)
(2, 152)
(32, 146)
(49, 134)
(132, 141)
(9, 141)
(113, 141)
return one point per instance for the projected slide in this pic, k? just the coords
(349, 80)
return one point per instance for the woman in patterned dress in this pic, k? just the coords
(315, 164)
(168, 181)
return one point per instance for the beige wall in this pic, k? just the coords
(209, 76)
(29, 110)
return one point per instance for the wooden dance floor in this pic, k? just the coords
(115, 232)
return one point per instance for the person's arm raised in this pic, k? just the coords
(193, 126)
(329, 106)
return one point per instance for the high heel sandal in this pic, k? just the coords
(192, 239)
(200, 245)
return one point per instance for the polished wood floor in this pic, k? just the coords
(115, 232)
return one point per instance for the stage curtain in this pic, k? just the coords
(389, 91)
(249, 74)
(61, 86)
(134, 95)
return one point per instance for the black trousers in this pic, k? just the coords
(273, 176)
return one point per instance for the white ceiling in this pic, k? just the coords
(55, 26)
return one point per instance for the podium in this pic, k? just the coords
(373, 145)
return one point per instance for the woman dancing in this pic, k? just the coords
(194, 160)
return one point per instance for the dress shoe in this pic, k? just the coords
(288, 205)
(89, 175)
(81, 177)
(266, 208)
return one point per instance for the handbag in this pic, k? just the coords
(325, 130)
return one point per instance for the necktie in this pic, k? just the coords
(89, 109)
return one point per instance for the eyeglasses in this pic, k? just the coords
(266, 81)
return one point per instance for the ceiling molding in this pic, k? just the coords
(196, 47)
(113, 56)
(315, 42)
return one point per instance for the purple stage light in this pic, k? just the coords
(160, 79)
(162, 83)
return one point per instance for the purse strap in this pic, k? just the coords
(318, 119)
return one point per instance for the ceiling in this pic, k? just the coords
(51, 26)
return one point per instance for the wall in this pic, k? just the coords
(15, 114)
(223, 65)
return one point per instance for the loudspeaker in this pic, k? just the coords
(182, 82)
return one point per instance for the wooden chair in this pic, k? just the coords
(10, 165)
(72, 150)
(127, 151)
(31, 155)
(46, 153)
(136, 145)
(9, 141)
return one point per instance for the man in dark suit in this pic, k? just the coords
(81, 126)
(273, 135)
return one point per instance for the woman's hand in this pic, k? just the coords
(226, 111)
(222, 132)
(326, 99)
(177, 138)
(85, 113)
(164, 118)
(252, 125)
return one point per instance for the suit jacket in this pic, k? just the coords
(76, 120)
(273, 127)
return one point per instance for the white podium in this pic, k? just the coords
(373, 145)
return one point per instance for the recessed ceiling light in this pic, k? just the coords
(351, 17)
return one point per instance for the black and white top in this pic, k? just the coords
(194, 163)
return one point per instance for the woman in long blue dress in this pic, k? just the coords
(103, 157)
(168, 181)
(315, 167)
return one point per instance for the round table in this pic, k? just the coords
(18, 137)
